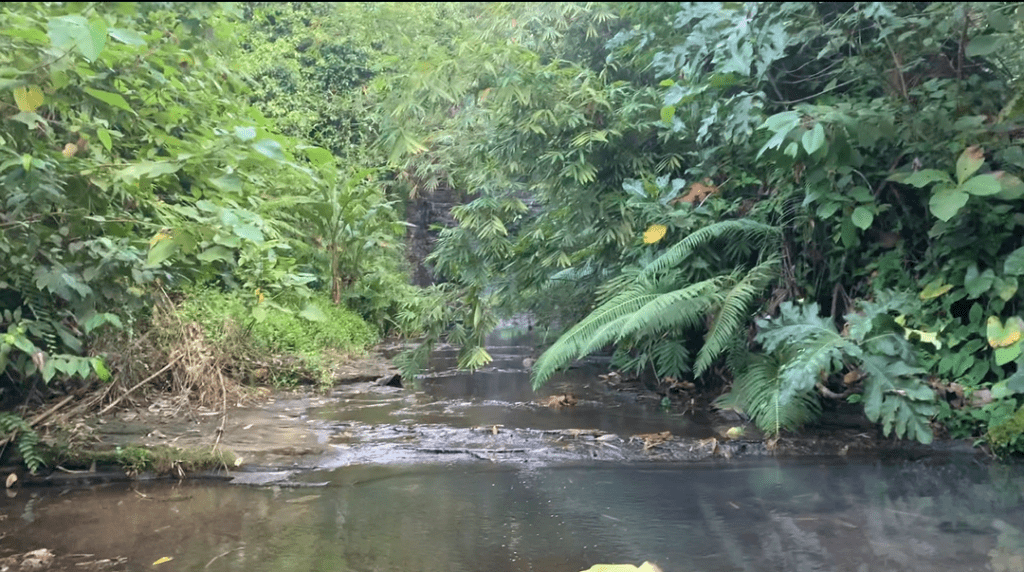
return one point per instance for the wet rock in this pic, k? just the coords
(389, 380)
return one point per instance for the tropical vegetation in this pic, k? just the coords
(785, 204)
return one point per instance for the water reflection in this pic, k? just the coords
(756, 516)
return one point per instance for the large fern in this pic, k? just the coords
(758, 390)
(653, 301)
(734, 312)
(802, 346)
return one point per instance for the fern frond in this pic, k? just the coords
(759, 388)
(670, 358)
(670, 308)
(590, 333)
(738, 230)
(733, 312)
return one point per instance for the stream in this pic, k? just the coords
(471, 473)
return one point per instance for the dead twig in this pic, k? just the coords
(169, 365)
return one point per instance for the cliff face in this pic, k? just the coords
(423, 212)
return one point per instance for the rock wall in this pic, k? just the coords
(423, 212)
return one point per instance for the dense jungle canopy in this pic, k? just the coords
(784, 205)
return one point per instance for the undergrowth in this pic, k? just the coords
(286, 346)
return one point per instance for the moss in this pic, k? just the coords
(162, 460)
(1007, 437)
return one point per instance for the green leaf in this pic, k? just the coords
(1005, 355)
(124, 36)
(259, 313)
(100, 368)
(150, 169)
(75, 32)
(1014, 263)
(109, 98)
(814, 139)
(784, 121)
(319, 156)
(969, 162)
(946, 202)
(270, 149)
(977, 283)
(245, 133)
(1006, 288)
(934, 289)
(104, 136)
(216, 252)
(162, 250)
(248, 232)
(921, 178)
(862, 217)
(313, 313)
(982, 185)
(667, 113)
(984, 45)
(228, 183)
(1013, 187)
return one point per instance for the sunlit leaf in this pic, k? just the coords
(934, 289)
(654, 233)
(28, 98)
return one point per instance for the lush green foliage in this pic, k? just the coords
(878, 139)
(132, 162)
(331, 327)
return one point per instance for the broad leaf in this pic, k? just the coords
(270, 149)
(813, 139)
(984, 45)
(946, 202)
(970, 161)
(982, 185)
(977, 283)
(1014, 263)
(921, 178)
(862, 217)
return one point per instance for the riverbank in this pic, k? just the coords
(492, 416)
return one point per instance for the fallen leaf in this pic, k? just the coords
(164, 559)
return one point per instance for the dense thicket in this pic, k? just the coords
(789, 203)
(847, 172)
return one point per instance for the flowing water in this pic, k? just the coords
(441, 513)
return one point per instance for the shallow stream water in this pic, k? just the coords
(383, 512)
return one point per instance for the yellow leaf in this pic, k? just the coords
(164, 559)
(28, 98)
(655, 233)
(735, 432)
(158, 237)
